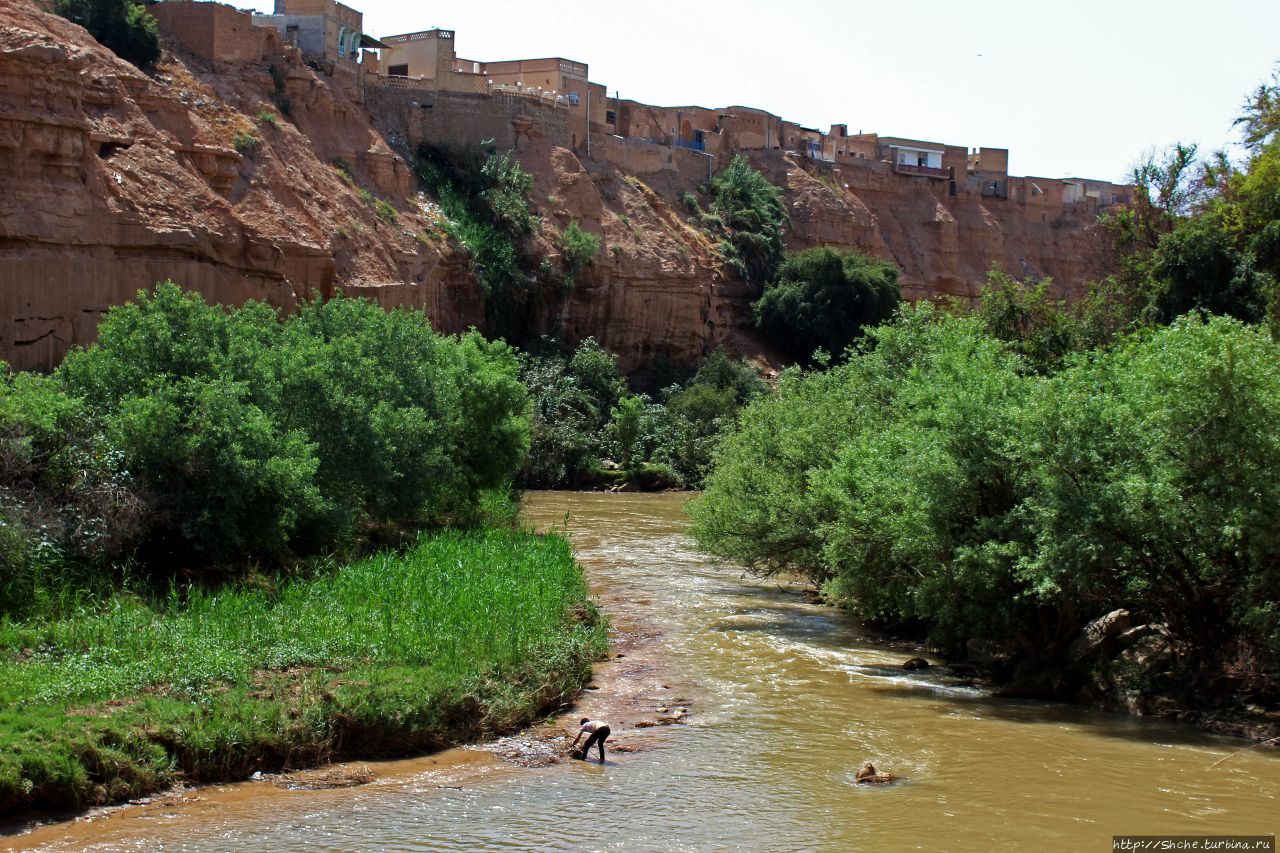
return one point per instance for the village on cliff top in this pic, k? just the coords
(419, 69)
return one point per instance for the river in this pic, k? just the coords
(786, 699)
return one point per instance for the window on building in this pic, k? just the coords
(610, 117)
(398, 71)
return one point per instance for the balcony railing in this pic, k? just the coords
(925, 171)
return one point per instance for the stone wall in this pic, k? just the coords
(457, 120)
(213, 31)
(637, 157)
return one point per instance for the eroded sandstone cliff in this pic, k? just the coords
(115, 179)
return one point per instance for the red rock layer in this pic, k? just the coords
(114, 179)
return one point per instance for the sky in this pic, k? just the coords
(1081, 88)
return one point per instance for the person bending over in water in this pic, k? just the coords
(598, 731)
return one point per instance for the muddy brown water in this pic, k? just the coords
(786, 700)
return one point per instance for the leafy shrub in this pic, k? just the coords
(583, 413)
(123, 26)
(1155, 486)
(571, 402)
(485, 197)
(227, 481)
(823, 298)
(267, 117)
(343, 168)
(245, 142)
(1025, 315)
(747, 213)
(505, 187)
(67, 506)
(579, 249)
(260, 436)
(933, 479)
(1196, 268)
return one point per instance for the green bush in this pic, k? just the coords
(572, 398)
(380, 206)
(935, 480)
(583, 414)
(123, 26)
(257, 436)
(245, 142)
(823, 299)
(1155, 485)
(578, 249)
(747, 214)
(67, 505)
(1196, 268)
(1026, 316)
(504, 186)
(485, 197)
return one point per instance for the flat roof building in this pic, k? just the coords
(321, 28)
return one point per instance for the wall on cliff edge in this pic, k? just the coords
(943, 245)
(117, 179)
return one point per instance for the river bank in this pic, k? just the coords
(460, 637)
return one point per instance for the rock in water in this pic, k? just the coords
(916, 663)
(869, 775)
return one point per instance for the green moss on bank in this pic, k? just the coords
(464, 635)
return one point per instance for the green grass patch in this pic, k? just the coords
(245, 142)
(380, 206)
(463, 635)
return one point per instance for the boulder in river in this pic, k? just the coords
(1101, 637)
(869, 775)
(916, 663)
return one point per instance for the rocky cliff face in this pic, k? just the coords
(943, 245)
(115, 179)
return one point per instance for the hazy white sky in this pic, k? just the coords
(1081, 87)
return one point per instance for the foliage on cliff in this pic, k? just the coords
(823, 298)
(934, 480)
(193, 435)
(123, 26)
(578, 249)
(485, 196)
(747, 214)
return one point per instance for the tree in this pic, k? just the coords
(1196, 267)
(256, 435)
(123, 26)
(748, 213)
(1025, 315)
(1155, 488)
(626, 424)
(823, 299)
